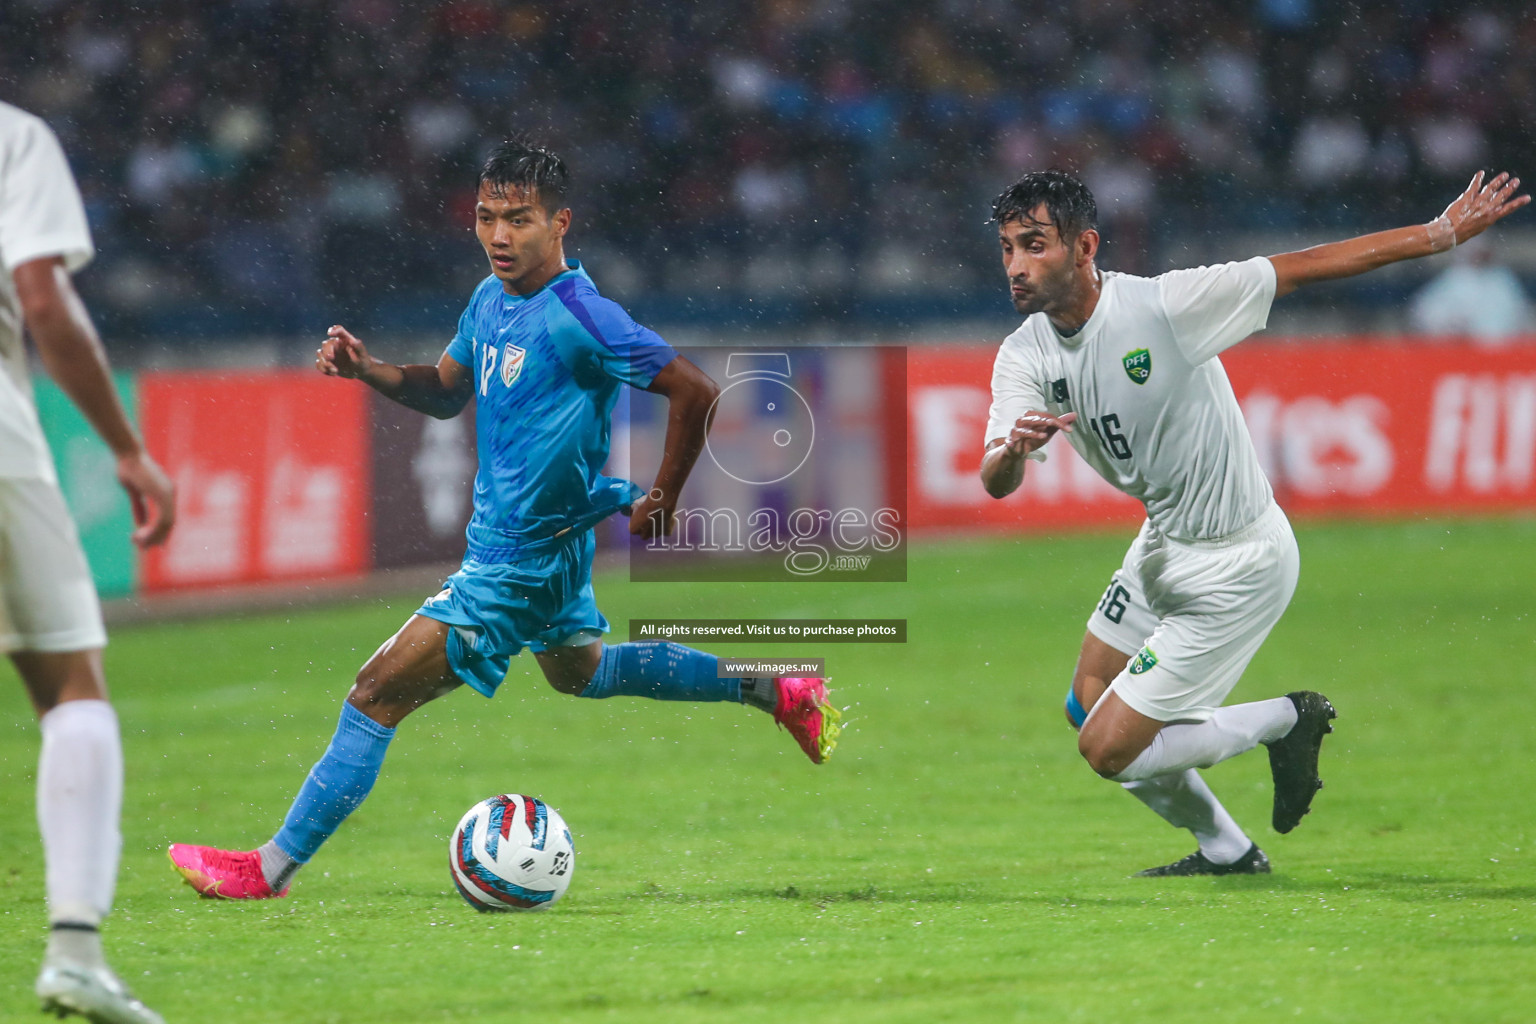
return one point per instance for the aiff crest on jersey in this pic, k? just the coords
(511, 363)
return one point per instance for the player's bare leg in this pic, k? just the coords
(407, 671)
(79, 802)
(1097, 665)
(1122, 744)
(1115, 735)
(1180, 798)
(667, 671)
(52, 678)
(570, 669)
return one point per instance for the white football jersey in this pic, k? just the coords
(40, 215)
(1156, 414)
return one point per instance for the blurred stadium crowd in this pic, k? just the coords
(264, 165)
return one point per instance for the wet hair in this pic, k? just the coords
(1068, 203)
(529, 167)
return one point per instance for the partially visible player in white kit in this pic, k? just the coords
(1127, 367)
(50, 619)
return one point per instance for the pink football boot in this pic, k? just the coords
(222, 874)
(809, 717)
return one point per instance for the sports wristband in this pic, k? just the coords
(1442, 235)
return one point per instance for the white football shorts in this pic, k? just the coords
(47, 598)
(1194, 613)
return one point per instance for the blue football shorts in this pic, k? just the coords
(540, 600)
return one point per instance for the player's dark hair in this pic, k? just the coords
(1068, 202)
(524, 165)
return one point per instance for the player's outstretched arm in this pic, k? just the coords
(690, 394)
(441, 391)
(72, 353)
(1002, 466)
(1476, 210)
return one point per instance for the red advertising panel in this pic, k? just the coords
(1391, 426)
(272, 473)
(1348, 427)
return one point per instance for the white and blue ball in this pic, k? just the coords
(511, 852)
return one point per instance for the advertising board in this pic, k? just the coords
(1348, 427)
(272, 470)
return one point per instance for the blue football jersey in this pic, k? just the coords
(547, 370)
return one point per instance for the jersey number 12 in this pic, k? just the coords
(487, 366)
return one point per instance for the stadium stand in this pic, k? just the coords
(258, 166)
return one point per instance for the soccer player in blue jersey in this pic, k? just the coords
(542, 355)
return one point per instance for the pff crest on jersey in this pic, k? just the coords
(1138, 365)
(511, 363)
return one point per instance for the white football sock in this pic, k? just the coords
(1230, 731)
(276, 866)
(77, 945)
(79, 802)
(1183, 800)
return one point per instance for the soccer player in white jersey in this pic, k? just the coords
(1127, 368)
(50, 619)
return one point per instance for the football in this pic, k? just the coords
(511, 853)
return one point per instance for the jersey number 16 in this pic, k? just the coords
(1115, 443)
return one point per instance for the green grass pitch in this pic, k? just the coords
(954, 861)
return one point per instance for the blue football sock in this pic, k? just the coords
(336, 785)
(662, 671)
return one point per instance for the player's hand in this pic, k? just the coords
(1033, 429)
(152, 495)
(342, 355)
(651, 518)
(1483, 205)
